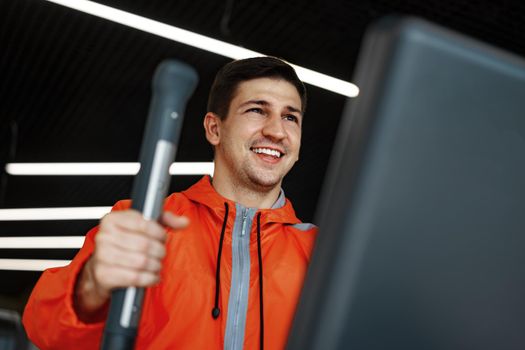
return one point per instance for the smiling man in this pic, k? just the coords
(257, 142)
(226, 263)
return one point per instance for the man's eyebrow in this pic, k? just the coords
(257, 102)
(294, 110)
(266, 103)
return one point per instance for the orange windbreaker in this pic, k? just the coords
(177, 312)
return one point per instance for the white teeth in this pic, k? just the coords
(268, 151)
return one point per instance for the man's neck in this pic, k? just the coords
(249, 197)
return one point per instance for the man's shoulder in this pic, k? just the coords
(305, 227)
(173, 202)
(177, 202)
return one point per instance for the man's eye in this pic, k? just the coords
(255, 110)
(292, 118)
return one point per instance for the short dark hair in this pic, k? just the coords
(232, 74)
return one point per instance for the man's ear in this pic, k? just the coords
(212, 126)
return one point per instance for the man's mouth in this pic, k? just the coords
(267, 151)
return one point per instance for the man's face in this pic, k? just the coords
(259, 139)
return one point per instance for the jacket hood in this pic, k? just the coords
(203, 193)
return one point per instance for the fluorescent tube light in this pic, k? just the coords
(42, 242)
(72, 168)
(72, 213)
(30, 264)
(194, 168)
(38, 169)
(201, 42)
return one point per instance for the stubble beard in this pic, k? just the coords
(259, 177)
(244, 175)
(260, 180)
(252, 176)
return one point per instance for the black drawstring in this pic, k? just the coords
(216, 311)
(261, 304)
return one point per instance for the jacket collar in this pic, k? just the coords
(203, 192)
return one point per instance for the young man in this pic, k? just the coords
(228, 270)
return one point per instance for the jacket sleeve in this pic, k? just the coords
(49, 317)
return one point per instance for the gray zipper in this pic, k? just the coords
(241, 283)
(238, 300)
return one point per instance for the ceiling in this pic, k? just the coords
(76, 88)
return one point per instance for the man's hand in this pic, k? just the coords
(128, 252)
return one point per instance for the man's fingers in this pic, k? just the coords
(130, 260)
(173, 221)
(129, 249)
(108, 244)
(132, 221)
(116, 277)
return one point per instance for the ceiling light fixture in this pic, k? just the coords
(30, 264)
(201, 42)
(42, 242)
(68, 213)
(85, 169)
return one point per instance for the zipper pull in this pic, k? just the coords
(244, 216)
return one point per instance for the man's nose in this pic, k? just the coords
(274, 127)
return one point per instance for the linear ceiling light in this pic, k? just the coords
(202, 42)
(30, 264)
(179, 168)
(68, 213)
(42, 242)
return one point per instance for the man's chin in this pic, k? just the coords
(266, 183)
